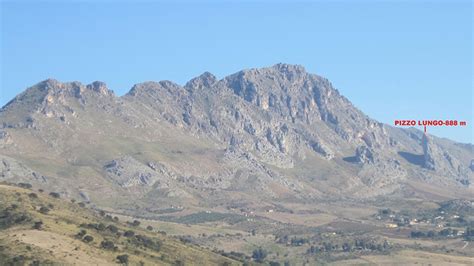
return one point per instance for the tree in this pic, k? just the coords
(431, 234)
(416, 234)
(259, 254)
(347, 247)
(469, 234)
(123, 259)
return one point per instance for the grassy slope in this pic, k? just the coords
(56, 241)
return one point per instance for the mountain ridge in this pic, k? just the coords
(292, 133)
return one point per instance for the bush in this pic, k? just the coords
(33, 195)
(98, 227)
(81, 233)
(112, 228)
(55, 195)
(129, 233)
(259, 254)
(149, 228)
(147, 242)
(25, 185)
(123, 259)
(135, 223)
(44, 210)
(88, 239)
(107, 244)
(38, 225)
(9, 218)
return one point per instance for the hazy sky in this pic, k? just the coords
(392, 59)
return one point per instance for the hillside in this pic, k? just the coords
(37, 228)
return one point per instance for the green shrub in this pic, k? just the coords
(123, 259)
(88, 239)
(38, 225)
(44, 210)
(107, 244)
(55, 195)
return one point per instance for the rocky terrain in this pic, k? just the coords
(259, 135)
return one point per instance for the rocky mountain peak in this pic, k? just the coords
(100, 87)
(205, 80)
(153, 87)
(289, 68)
(49, 83)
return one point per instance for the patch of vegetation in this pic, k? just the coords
(11, 216)
(259, 255)
(203, 217)
(145, 241)
(122, 259)
(55, 195)
(108, 245)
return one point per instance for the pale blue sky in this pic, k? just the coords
(392, 59)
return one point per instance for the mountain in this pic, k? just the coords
(256, 137)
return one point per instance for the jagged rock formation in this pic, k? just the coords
(267, 133)
(364, 155)
(428, 162)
